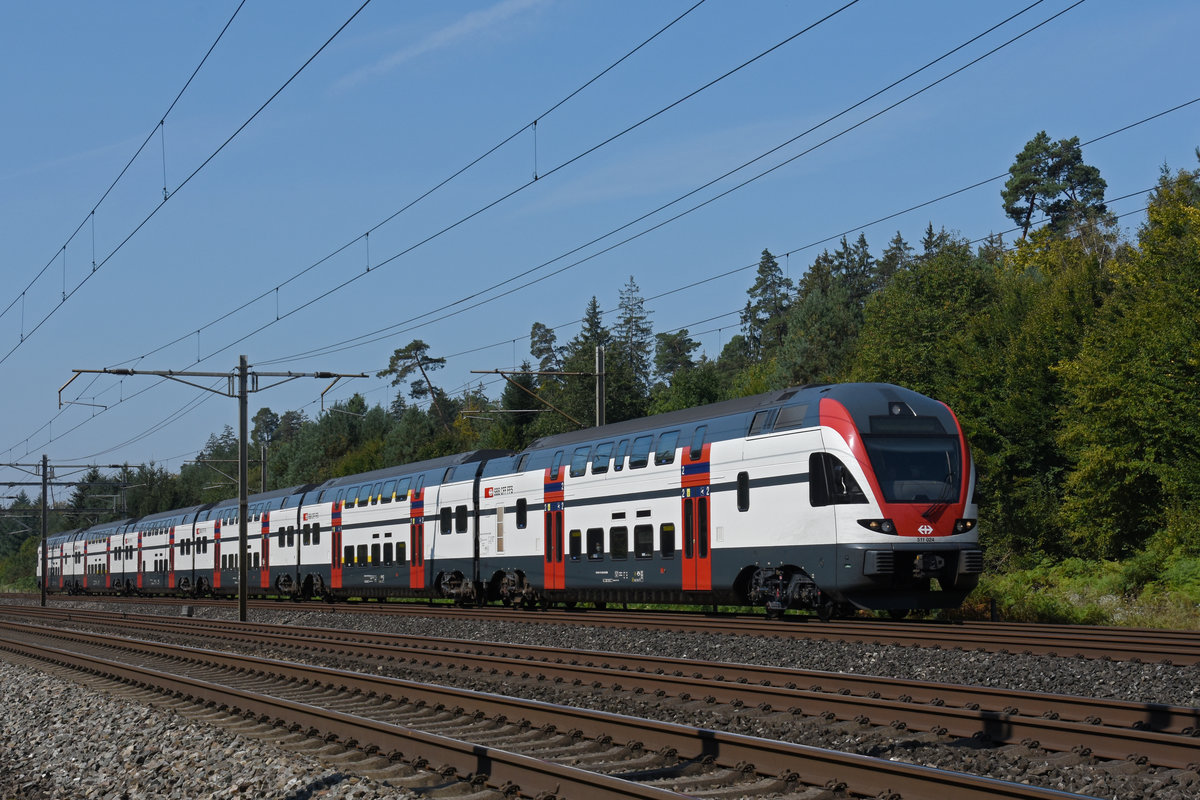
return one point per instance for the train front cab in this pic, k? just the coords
(899, 482)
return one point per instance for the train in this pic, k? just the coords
(824, 499)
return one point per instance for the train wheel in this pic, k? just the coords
(827, 611)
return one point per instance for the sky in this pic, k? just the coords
(315, 215)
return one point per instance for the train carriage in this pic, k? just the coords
(823, 497)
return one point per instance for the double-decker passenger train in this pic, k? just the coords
(824, 498)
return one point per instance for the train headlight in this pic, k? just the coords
(964, 525)
(878, 525)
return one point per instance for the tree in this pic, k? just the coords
(633, 336)
(896, 257)
(264, 424)
(763, 320)
(1132, 412)
(673, 353)
(411, 360)
(543, 345)
(1051, 177)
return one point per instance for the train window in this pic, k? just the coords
(639, 455)
(460, 519)
(280, 536)
(579, 461)
(521, 462)
(341, 493)
(558, 457)
(389, 491)
(618, 542)
(316, 533)
(420, 487)
(666, 539)
(702, 529)
(576, 544)
(361, 555)
(445, 519)
(307, 540)
(759, 423)
(388, 552)
(364, 495)
(619, 460)
(743, 491)
(665, 454)
(402, 489)
(602, 457)
(255, 561)
(643, 541)
(595, 544)
(698, 437)
(348, 554)
(291, 537)
(374, 554)
(791, 417)
(830, 482)
(401, 554)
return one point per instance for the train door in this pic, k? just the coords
(696, 534)
(335, 543)
(264, 575)
(554, 573)
(416, 535)
(171, 558)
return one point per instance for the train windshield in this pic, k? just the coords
(916, 468)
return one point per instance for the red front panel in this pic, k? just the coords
(911, 519)
(697, 555)
(554, 573)
(416, 564)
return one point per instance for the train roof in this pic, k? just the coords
(262, 497)
(682, 417)
(442, 462)
(861, 399)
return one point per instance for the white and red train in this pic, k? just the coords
(824, 498)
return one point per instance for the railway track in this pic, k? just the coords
(1158, 734)
(1119, 644)
(510, 745)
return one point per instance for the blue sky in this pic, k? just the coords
(409, 93)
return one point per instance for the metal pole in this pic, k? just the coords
(45, 522)
(243, 490)
(600, 388)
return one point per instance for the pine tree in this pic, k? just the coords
(633, 337)
(764, 322)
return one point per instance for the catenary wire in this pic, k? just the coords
(91, 215)
(167, 196)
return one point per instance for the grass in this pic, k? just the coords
(1082, 592)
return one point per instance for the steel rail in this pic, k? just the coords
(771, 688)
(858, 774)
